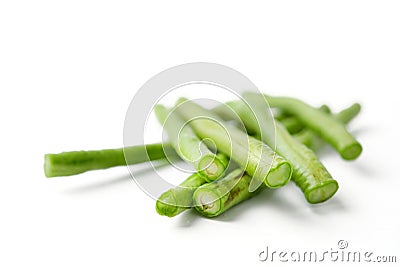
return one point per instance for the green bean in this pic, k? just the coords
(294, 125)
(313, 141)
(325, 125)
(214, 198)
(75, 162)
(178, 199)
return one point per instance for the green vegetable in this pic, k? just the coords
(178, 199)
(214, 198)
(313, 141)
(252, 155)
(294, 125)
(188, 146)
(75, 162)
(308, 172)
(325, 125)
(346, 115)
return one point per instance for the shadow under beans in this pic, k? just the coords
(100, 185)
(278, 200)
(188, 218)
(241, 209)
(366, 169)
(360, 131)
(117, 180)
(325, 150)
(294, 207)
(267, 199)
(332, 205)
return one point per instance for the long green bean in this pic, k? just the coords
(75, 162)
(313, 141)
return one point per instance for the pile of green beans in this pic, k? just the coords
(240, 163)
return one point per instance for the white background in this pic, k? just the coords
(69, 69)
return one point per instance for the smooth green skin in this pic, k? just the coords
(325, 125)
(75, 162)
(294, 125)
(252, 155)
(309, 139)
(188, 146)
(308, 172)
(178, 199)
(313, 141)
(212, 199)
(346, 115)
(306, 136)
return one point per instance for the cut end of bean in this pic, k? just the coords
(352, 151)
(279, 176)
(54, 168)
(207, 202)
(321, 192)
(47, 166)
(166, 205)
(211, 167)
